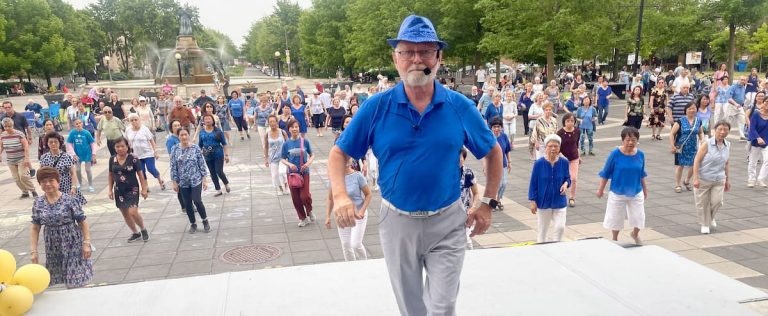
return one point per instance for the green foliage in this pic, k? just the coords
(210, 38)
(719, 44)
(461, 28)
(321, 34)
(276, 32)
(758, 44)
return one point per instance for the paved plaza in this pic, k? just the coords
(253, 214)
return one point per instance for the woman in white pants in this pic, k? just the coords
(758, 137)
(358, 191)
(710, 175)
(625, 168)
(510, 115)
(547, 189)
(274, 139)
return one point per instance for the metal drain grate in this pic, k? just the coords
(251, 254)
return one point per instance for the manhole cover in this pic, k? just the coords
(251, 254)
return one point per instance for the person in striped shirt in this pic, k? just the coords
(16, 147)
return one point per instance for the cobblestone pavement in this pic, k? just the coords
(253, 214)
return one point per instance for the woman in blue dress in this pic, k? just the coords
(683, 142)
(300, 113)
(225, 115)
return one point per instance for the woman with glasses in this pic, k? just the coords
(141, 140)
(189, 174)
(213, 144)
(112, 127)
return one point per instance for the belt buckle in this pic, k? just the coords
(419, 214)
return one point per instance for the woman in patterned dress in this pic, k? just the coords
(685, 134)
(63, 163)
(544, 126)
(66, 235)
(42, 146)
(658, 110)
(123, 187)
(188, 172)
(224, 113)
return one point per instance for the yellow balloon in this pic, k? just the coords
(15, 300)
(7, 266)
(32, 276)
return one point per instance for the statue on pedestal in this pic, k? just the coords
(185, 23)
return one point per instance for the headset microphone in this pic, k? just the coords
(427, 71)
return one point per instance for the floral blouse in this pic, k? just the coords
(187, 166)
(66, 210)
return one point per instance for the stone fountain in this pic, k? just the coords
(192, 60)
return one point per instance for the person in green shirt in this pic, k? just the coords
(112, 127)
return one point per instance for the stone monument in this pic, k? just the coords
(192, 62)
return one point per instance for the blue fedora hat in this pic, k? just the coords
(417, 29)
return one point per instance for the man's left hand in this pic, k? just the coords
(480, 217)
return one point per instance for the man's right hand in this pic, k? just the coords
(345, 212)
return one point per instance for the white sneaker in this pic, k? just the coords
(705, 229)
(312, 217)
(91, 189)
(762, 184)
(713, 224)
(304, 222)
(750, 184)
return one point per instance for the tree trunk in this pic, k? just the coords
(731, 46)
(498, 70)
(615, 72)
(550, 60)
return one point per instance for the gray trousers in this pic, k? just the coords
(435, 244)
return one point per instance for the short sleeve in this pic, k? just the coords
(607, 172)
(76, 209)
(307, 147)
(71, 138)
(469, 177)
(284, 153)
(478, 137)
(355, 140)
(361, 182)
(36, 208)
(642, 157)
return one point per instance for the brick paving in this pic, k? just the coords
(253, 214)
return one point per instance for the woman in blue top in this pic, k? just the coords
(495, 109)
(603, 94)
(224, 114)
(82, 147)
(300, 113)
(625, 168)
(237, 107)
(683, 142)
(261, 113)
(704, 114)
(758, 137)
(188, 174)
(497, 127)
(213, 144)
(352, 237)
(550, 180)
(298, 161)
(585, 115)
(524, 104)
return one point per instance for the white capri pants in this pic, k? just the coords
(278, 172)
(620, 207)
(755, 154)
(554, 216)
(352, 240)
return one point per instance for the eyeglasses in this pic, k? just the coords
(107, 112)
(427, 54)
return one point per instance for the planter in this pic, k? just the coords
(249, 90)
(54, 97)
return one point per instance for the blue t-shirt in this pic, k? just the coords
(758, 127)
(292, 153)
(586, 115)
(546, 180)
(625, 172)
(355, 183)
(81, 141)
(236, 106)
(171, 141)
(418, 152)
(492, 112)
(506, 147)
(34, 107)
(212, 143)
(755, 83)
(602, 95)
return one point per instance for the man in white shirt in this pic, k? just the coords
(683, 78)
(679, 70)
(480, 74)
(325, 99)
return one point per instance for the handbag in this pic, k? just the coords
(679, 146)
(296, 179)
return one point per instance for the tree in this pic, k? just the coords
(537, 28)
(735, 14)
(322, 32)
(720, 44)
(81, 34)
(758, 44)
(33, 40)
(460, 26)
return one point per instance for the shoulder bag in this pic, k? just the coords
(679, 146)
(296, 179)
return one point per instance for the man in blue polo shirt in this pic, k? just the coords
(416, 130)
(735, 112)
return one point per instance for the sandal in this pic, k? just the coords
(678, 189)
(571, 202)
(687, 185)
(162, 185)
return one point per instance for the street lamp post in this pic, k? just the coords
(277, 61)
(106, 59)
(178, 64)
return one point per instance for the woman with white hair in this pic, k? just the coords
(550, 180)
(534, 113)
(553, 95)
(142, 142)
(538, 87)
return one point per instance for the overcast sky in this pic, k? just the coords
(231, 17)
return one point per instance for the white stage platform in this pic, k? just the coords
(590, 277)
